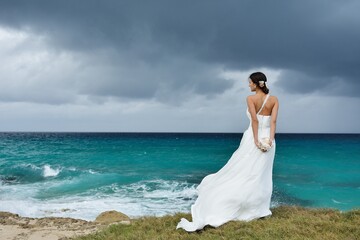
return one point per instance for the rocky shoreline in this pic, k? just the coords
(13, 226)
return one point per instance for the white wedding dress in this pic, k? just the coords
(240, 190)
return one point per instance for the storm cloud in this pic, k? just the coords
(175, 52)
(146, 48)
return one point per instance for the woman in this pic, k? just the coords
(241, 190)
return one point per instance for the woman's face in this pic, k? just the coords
(252, 85)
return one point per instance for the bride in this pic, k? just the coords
(242, 188)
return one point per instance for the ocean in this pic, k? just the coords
(80, 175)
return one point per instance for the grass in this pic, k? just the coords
(285, 223)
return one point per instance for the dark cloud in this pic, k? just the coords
(170, 81)
(175, 45)
(322, 84)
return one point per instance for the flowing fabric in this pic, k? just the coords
(241, 189)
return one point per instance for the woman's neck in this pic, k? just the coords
(259, 91)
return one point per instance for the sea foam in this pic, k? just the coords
(145, 198)
(50, 172)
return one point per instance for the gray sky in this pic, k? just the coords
(177, 66)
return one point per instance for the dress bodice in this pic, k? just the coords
(264, 121)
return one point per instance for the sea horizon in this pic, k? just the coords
(45, 131)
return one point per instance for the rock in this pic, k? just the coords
(13, 226)
(8, 214)
(112, 217)
(7, 218)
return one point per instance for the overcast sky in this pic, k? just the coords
(177, 66)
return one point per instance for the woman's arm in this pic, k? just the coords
(254, 120)
(274, 113)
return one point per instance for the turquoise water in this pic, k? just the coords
(82, 174)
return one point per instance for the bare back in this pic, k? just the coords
(268, 107)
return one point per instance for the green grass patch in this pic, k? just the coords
(287, 222)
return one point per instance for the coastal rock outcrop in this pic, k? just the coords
(112, 217)
(13, 226)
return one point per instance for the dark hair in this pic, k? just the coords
(256, 77)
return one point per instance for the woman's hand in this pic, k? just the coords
(257, 143)
(262, 147)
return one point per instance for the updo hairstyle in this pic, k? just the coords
(260, 80)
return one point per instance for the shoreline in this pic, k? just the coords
(14, 226)
(285, 219)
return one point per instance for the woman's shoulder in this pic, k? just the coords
(254, 96)
(251, 99)
(273, 98)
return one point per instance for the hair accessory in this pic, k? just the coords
(261, 83)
